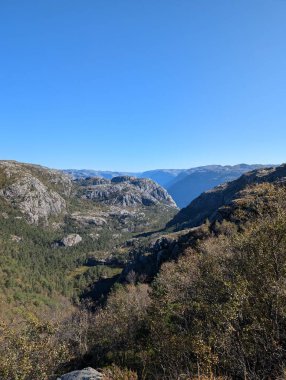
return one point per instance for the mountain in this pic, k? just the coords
(183, 185)
(85, 173)
(125, 191)
(238, 201)
(162, 176)
(41, 194)
(208, 204)
(191, 183)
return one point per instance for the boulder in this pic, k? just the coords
(16, 238)
(71, 240)
(84, 374)
(89, 220)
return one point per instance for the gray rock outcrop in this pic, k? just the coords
(33, 190)
(33, 199)
(85, 374)
(71, 240)
(125, 191)
(85, 220)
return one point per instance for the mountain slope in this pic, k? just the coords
(206, 206)
(217, 292)
(162, 176)
(191, 183)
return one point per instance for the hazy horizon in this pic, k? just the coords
(167, 168)
(143, 170)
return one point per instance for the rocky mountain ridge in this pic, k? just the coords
(208, 204)
(124, 191)
(162, 176)
(41, 194)
(191, 183)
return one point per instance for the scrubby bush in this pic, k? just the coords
(116, 373)
(32, 350)
(120, 329)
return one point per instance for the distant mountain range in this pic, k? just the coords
(162, 176)
(184, 185)
(191, 183)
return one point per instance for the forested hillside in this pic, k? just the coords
(216, 310)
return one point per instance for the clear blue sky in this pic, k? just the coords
(135, 85)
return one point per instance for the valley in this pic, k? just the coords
(105, 273)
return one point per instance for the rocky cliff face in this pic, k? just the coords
(124, 191)
(38, 193)
(207, 205)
